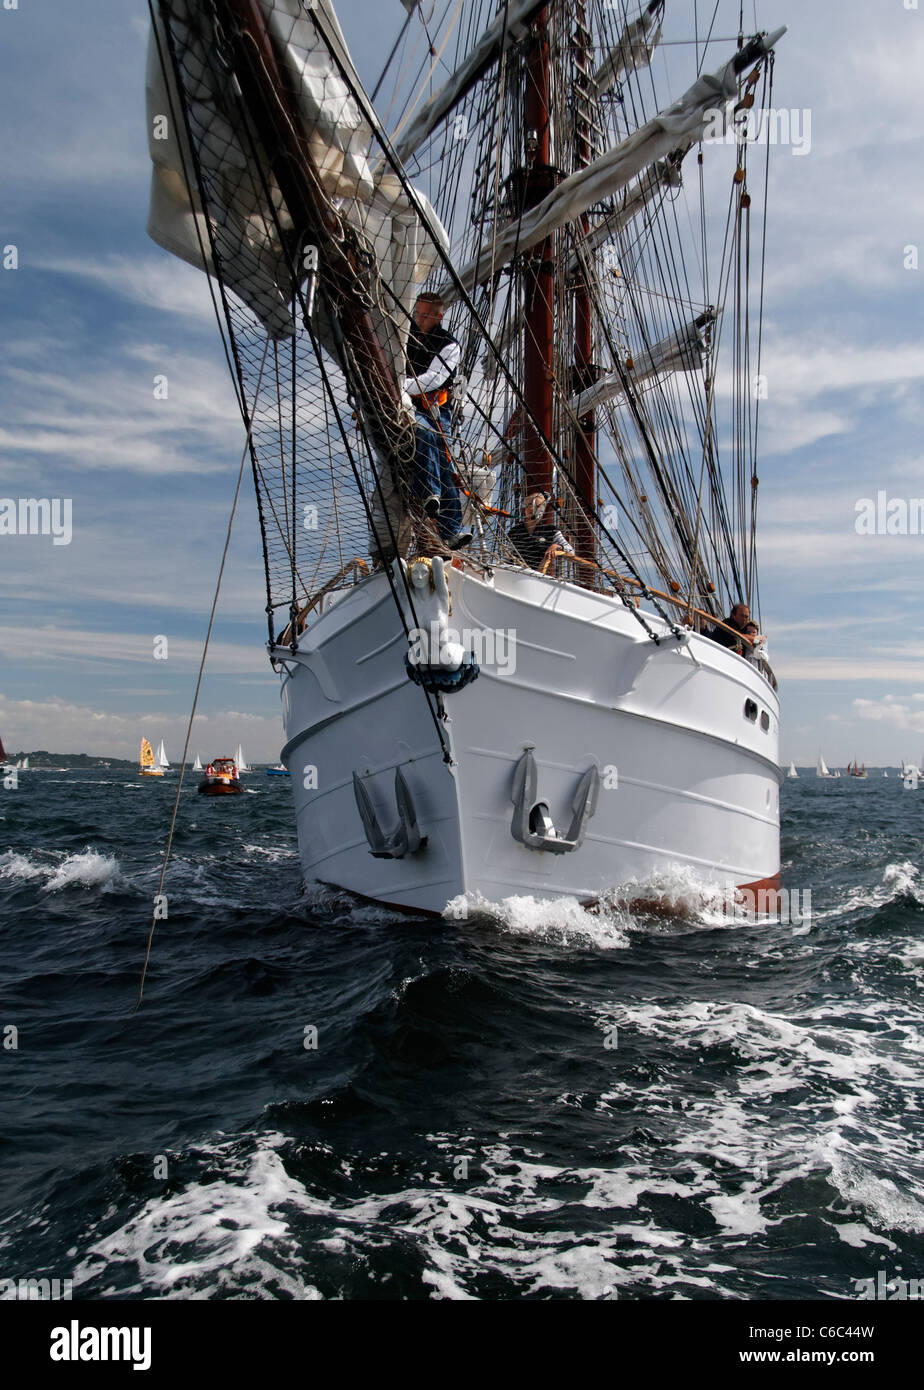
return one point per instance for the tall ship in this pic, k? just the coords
(509, 528)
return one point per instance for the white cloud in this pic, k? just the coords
(60, 726)
(90, 647)
(104, 415)
(847, 669)
(155, 282)
(890, 710)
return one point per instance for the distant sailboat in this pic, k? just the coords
(147, 767)
(241, 765)
(821, 768)
(792, 771)
(162, 760)
(885, 774)
(197, 765)
(855, 770)
(4, 764)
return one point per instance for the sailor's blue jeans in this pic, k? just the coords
(434, 471)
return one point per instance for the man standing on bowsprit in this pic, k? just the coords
(433, 355)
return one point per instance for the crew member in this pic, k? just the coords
(737, 620)
(433, 355)
(533, 538)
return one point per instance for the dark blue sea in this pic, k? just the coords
(537, 1102)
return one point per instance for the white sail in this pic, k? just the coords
(506, 30)
(684, 122)
(682, 351)
(663, 174)
(792, 771)
(197, 765)
(337, 134)
(634, 49)
(821, 768)
(162, 760)
(241, 765)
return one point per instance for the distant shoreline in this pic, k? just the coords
(41, 758)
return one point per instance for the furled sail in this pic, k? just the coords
(634, 49)
(253, 261)
(247, 203)
(662, 175)
(684, 122)
(508, 29)
(679, 352)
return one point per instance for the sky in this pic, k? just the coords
(93, 312)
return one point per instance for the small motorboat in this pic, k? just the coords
(278, 771)
(221, 779)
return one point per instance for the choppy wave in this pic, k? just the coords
(526, 1100)
(89, 869)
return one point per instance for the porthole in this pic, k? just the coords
(765, 721)
(750, 710)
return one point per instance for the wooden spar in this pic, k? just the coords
(278, 125)
(585, 440)
(539, 276)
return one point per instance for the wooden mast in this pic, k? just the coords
(540, 178)
(583, 374)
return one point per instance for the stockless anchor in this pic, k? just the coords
(406, 837)
(530, 813)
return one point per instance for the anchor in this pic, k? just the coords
(406, 837)
(527, 810)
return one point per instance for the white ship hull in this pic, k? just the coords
(687, 779)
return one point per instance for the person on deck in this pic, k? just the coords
(756, 651)
(737, 620)
(433, 356)
(535, 539)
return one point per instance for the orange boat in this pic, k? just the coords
(221, 779)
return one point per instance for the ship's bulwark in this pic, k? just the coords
(683, 737)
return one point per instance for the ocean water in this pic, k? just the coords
(528, 1101)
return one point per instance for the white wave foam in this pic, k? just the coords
(87, 870)
(219, 1231)
(20, 868)
(879, 1197)
(898, 881)
(562, 920)
(273, 853)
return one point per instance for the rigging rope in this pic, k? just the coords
(192, 713)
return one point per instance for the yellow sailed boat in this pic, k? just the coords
(146, 764)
